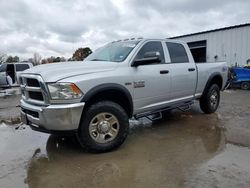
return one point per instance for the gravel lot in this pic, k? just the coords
(183, 150)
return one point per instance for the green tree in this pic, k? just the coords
(11, 59)
(15, 59)
(57, 59)
(81, 53)
(62, 59)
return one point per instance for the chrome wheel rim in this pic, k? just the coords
(104, 127)
(214, 99)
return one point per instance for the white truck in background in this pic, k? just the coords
(94, 99)
(10, 72)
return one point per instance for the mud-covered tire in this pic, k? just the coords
(245, 85)
(210, 100)
(104, 107)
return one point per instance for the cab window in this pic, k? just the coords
(154, 46)
(21, 67)
(177, 53)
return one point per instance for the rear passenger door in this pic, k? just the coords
(183, 73)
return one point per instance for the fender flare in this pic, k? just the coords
(210, 79)
(110, 86)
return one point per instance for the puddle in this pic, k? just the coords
(10, 92)
(9, 100)
(182, 150)
(230, 169)
(16, 149)
(153, 155)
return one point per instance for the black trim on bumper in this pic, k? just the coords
(54, 132)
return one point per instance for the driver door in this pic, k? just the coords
(152, 81)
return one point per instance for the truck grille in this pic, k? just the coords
(32, 82)
(36, 95)
(33, 89)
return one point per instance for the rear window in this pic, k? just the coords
(21, 67)
(177, 53)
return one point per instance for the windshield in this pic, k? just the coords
(115, 51)
(3, 67)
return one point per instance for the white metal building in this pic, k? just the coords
(230, 44)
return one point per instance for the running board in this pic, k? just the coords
(184, 108)
(157, 114)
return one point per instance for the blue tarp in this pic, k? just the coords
(241, 74)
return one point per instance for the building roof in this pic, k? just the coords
(213, 30)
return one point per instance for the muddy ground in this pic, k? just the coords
(188, 149)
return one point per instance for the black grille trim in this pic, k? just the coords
(36, 95)
(32, 82)
(30, 112)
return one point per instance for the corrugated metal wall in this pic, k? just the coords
(232, 45)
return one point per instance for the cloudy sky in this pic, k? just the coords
(58, 27)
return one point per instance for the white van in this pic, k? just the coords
(9, 73)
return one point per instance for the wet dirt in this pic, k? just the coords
(229, 169)
(9, 99)
(182, 150)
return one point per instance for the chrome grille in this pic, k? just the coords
(33, 89)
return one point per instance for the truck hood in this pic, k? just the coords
(56, 71)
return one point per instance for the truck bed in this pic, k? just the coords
(205, 70)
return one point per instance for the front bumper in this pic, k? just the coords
(52, 118)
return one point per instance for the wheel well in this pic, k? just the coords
(113, 95)
(216, 80)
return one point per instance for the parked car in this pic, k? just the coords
(94, 99)
(241, 77)
(10, 72)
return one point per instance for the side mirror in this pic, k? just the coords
(149, 58)
(152, 54)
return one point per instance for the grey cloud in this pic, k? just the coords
(57, 27)
(190, 6)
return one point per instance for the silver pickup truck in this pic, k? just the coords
(95, 99)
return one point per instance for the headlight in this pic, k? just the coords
(64, 91)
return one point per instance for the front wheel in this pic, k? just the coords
(210, 100)
(104, 127)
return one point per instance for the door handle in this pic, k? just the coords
(164, 71)
(191, 69)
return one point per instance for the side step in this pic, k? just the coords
(157, 114)
(184, 108)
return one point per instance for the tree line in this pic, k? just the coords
(79, 55)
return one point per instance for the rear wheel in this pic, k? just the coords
(210, 100)
(104, 127)
(245, 85)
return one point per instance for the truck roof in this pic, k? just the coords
(146, 39)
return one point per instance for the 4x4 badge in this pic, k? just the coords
(140, 83)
